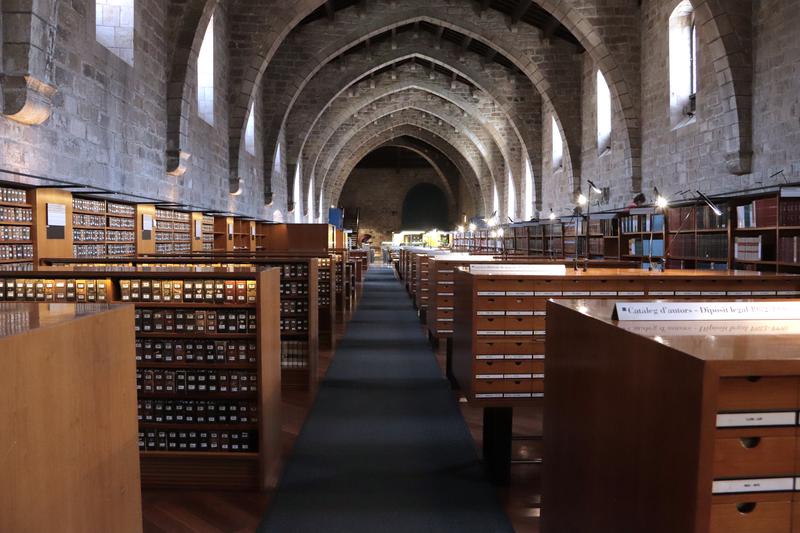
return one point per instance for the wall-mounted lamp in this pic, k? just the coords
(472, 227)
(460, 229)
(716, 210)
(552, 215)
(582, 199)
(661, 201)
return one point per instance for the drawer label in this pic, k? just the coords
(491, 293)
(548, 293)
(576, 293)
(519, 313)
(631, 293)
(661, 293)
(445, 308)
(687, 293)
(519, 293)
(604, 293)
(444, 319)
(486, 313)
(442, 271)
(763, 293)
(445, 331)
(519, 332)
(488, 376)
(540, 313)
(733, 420)
(737, 486)
(739, 293)
(489, 395)
(484, 357)
(491, 332)
(518, 376)
(525, 357)
(445, 282)
(445, 294)
(517, 395)
(788, 293)
(713, 293)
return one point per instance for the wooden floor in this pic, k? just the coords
(234, 512)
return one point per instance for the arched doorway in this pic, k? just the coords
(425, 208)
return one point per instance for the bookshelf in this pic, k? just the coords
(208, 233)
(173, 232)
(16, 231)
(224, 231)
(198, 330)
(641, 231)
(326, 273)
(244, 235)
(102, 228)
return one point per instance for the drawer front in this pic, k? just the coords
(521, 347)
(527, 323)
(755, 394)
(503, 285)
(753, 517)
(444, 301)
(755, 456)
(503, 385)
(444, 313)
(490, 323)
(528, 366)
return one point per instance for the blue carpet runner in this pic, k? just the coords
(385, 447)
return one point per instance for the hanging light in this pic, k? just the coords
(472, 227)
(552, 215)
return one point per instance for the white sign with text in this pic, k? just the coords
(781, 310)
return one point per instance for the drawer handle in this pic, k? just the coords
(518, 363)
(750, 442)
(753, 379)
(746, 508)
(489, 363)
(519, 300)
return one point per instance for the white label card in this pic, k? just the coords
(781, 310)
(736, 420)
(737, 486)
(56, 215)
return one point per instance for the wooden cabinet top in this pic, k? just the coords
(20, 318)
(156, 271)
(730, 347)
(636, 273)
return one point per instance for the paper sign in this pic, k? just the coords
(56, 221)
(786, 310)
(198, 230)
(147, 222)
(230, 231)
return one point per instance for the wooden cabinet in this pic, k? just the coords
(68, 413)
(697, 429)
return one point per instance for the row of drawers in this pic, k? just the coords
(754, 469)
(634, 286)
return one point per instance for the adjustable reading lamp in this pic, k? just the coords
(582, 200)
(700, 196)
(592, 189)
(661, 204)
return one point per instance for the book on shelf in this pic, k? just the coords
(747, 248)
(712, 246)
(788, 248)
(790, 212)
(761, 213)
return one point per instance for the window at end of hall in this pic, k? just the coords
(683, 82)
(114, 27)
(603, 114)
(205, 75)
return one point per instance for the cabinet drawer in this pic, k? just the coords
(532, 323)
(502, 285)
(755, 455)
(528, 366)
(503, 385)
(752, 517)
(490, 323)
(444, 301)
(754, 393)
(521, 347)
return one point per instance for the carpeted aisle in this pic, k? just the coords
(384, 448)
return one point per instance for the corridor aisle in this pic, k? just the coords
(385, 448)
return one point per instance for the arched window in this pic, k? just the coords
(495, 202)
(250, 131)
(558, 145)
(310, 206)
(512, 196)
(114, 27)
(682, 63)
(528, 190)
(205, 75)
(603, 114)
(297, 197)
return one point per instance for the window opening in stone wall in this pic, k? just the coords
(683, 82)
(558, 145)
(114, 27)
(528, 190)
(512, 196)
(296, 197)
(205, 75)
(603, 114)
(250, 131)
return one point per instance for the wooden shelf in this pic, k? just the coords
(182, 365)
(194, 335)
(12, 204)
(244, 456)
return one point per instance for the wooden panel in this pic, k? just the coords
(44, 247)
(755, 453)
(145, 246)
(68, 412)
(197, 242)
(269, 367)
(755, 393)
